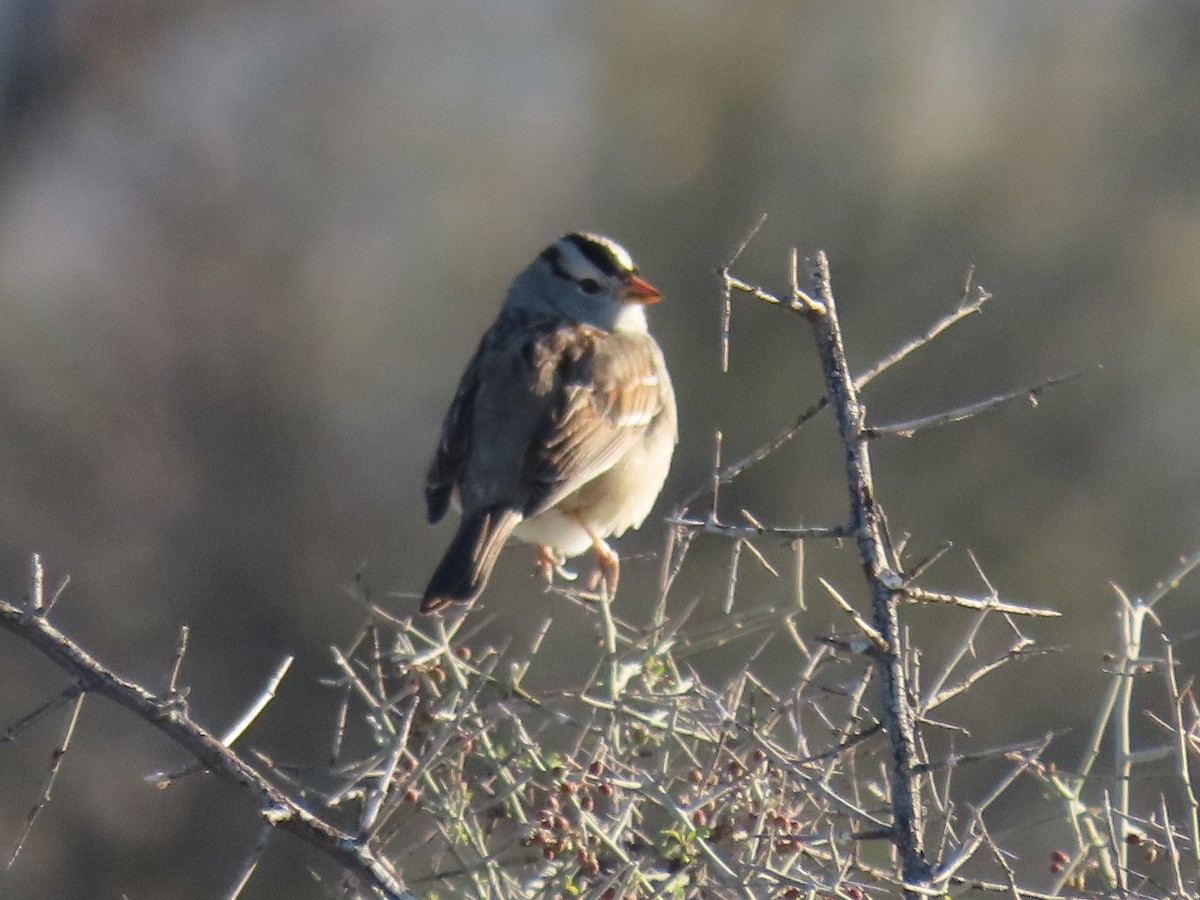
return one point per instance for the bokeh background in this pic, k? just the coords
(247, 247)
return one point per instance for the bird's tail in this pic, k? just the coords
(463, 572)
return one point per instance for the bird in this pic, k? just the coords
(563, 426)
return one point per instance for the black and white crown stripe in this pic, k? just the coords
(574, 255)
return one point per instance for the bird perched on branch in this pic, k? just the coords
(563, 427)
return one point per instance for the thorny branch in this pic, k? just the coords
(884, 581)
(971, 410)
(971, 301)
(170, 716)
(887, 582)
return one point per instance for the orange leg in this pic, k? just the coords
(608, 563)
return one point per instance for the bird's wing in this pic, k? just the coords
(454, 448)
(605, 390)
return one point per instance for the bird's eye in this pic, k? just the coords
(589, 285)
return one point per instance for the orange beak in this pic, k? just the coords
(638, 290)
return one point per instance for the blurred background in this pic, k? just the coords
(247, 247)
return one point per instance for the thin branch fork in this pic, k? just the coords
(872, 634)
(972, 300)
(170, 716)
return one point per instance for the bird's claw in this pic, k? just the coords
(550, 563)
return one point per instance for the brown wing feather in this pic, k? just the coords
(455, 445)
(607, 393)
(590, 394)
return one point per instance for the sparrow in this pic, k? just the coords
(563, 427)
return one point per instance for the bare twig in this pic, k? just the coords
(251, 862)
(37, 599)
(62, 698)
(1183, 767)
(971, 410)
(1001, 859)
(921, 595)
(171, 717)
(970, 302)
(731, 581)
(726, 295)
(762, 560)
(798, 573)
(965, 308)
(235, 731)
(919, 568)
(1133, 617)
(872, 634)
(733, 470)
(1172, 849)
(754, 291)
(387, 777)
(1186, 566)
(945, 693)
(56, 759)
(37, 586)
(177, 660)
(238, 728)
(745, 531)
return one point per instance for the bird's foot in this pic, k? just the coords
(550, 562)
(608, 568)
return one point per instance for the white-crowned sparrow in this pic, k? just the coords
(563, 427)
